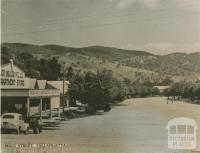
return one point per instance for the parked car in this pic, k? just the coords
(14, 122)
(107, 107)
(91, 109)
(35, 124)
(46, 114)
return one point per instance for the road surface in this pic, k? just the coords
(135, 125)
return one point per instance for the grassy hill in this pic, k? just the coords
(132, 64)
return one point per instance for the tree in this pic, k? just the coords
(70, 73)
(76, 89)
(5, 55)
(167, 92)
(177, 89)
(27, 59)
(95, 89)
(148, 84)
(55, 69)
(127, 81)
(25, 56)
(197, 93)
(32, 73)
(167, 81)
(49, 69)
(155, 91)
(191, 93)
(44, 69)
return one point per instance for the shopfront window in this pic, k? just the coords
(3, 73)
(10, 73)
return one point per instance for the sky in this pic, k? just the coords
(157, 26)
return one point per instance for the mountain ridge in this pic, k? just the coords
(98, 46)
(96, 57)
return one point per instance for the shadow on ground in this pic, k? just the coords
(119, 104)
(51, 128)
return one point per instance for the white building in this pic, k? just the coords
(162, 88)
(62, 86)
(26, 95)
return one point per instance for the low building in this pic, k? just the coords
(162, 88)
(26, 95)
(59, 85)
(63, 86)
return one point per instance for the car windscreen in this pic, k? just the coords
(9, 116)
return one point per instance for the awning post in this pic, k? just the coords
(28, 107)
(40, 108)
(50, 109)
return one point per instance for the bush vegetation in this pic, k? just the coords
(183, 89)
(101, 88)
(48, 69)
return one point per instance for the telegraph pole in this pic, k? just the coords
(63, 88)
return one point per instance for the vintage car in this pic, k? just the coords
(92, 109)
(14, 122)
(105, 107)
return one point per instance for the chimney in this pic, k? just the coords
(11, 62)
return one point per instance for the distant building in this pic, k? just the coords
(59, 85)
(162, 88)
(26, 95)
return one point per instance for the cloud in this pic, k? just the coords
(124, 4)
(151, 3)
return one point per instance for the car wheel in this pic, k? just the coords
(26, 131)
(40, 130)
(17, 131)
(36, 130)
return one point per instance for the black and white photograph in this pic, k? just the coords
(100, 76)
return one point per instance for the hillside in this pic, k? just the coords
(132, 64)
(98, 51)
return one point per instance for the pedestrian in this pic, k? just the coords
(35, 126)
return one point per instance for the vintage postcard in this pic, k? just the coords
(100, 76)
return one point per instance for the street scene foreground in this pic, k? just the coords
(134, 125)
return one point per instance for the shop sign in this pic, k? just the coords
(13, 78)
(13, 83)
(44, 92)
(11, 73)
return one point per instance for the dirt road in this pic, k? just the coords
(135, 125)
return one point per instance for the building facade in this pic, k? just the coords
(24, 95)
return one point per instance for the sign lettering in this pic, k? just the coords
(10, 73)
(12, 82)
(44, 92)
